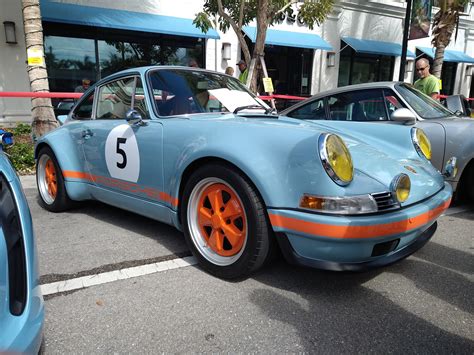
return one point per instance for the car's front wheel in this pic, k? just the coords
(50, 182)
(225, 222)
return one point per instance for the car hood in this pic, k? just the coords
(380, 152)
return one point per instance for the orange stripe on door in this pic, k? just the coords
(356, 232)
(122, 185)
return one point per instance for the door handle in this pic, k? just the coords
(86, 134)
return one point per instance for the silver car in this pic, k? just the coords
(399, 103)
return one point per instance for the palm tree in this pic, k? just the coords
(42, 109)
(444, 24)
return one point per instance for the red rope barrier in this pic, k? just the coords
(42, 94)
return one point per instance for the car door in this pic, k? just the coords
(124, 160)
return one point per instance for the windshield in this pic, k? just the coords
(184, 91)
(424, 105)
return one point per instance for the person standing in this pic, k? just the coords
(86, 83)
(427, 83)
(243, 71)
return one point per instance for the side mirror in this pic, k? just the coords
(404, 116)
(134, 118)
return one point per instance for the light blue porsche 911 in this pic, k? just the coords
(197, 150)
(21, 303)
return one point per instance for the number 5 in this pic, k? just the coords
(120, 151)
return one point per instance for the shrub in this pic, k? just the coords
(21, 153)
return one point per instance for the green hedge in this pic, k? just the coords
(21, 153)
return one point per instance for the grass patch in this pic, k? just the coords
(21, 153)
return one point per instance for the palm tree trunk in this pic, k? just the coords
(438, 60)
(42, 109)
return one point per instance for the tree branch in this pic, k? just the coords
(237, 29)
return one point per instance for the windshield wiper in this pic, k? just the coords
(240, 108)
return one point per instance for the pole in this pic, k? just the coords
(406, 27)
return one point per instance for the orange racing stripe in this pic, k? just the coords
(122, 185)
(356, 232)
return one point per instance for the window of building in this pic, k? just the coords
(93, 53)
(357, 68)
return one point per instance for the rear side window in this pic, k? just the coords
(362, 105)
(314, 110)
(84, 110)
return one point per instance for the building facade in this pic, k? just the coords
(88, 39)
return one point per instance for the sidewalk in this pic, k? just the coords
(28, 181)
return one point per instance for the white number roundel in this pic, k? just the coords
(121, 154)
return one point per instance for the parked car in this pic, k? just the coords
(391, 102)
(197, 150)
(21, 302)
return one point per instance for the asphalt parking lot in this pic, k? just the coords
(145, 294)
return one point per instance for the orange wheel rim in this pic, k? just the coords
(50, 176)
(222, 220)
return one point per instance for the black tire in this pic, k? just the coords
(258, 236)
(58, 201)
(468, 182)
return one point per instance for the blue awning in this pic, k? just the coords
(449, 55)
(376, 47)
(120, 19)
(289, 39)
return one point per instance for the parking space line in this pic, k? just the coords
(111, 276)
(459, 209)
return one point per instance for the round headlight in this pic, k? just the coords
(401, 187)
(421, 142)
(336, 158)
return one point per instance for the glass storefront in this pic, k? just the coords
(357, 68)
(93, 53)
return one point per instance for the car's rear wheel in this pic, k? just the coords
(50, 182)
(225, 222)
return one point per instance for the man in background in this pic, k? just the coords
(243, 71)
(427, 83)
(86, 83)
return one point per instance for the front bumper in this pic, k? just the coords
(357, 243)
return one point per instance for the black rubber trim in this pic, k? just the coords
(10, 223)
(294, 258)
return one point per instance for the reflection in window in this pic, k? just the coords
(115, 99)
(69, 60)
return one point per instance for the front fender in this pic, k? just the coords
(67, 148)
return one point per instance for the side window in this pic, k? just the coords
(84, 110)
(391, 101)
(314, 110)
(115, 99)
(363, 105)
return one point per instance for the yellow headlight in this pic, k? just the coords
(336, 159)
(400, 187)
(422, 143)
